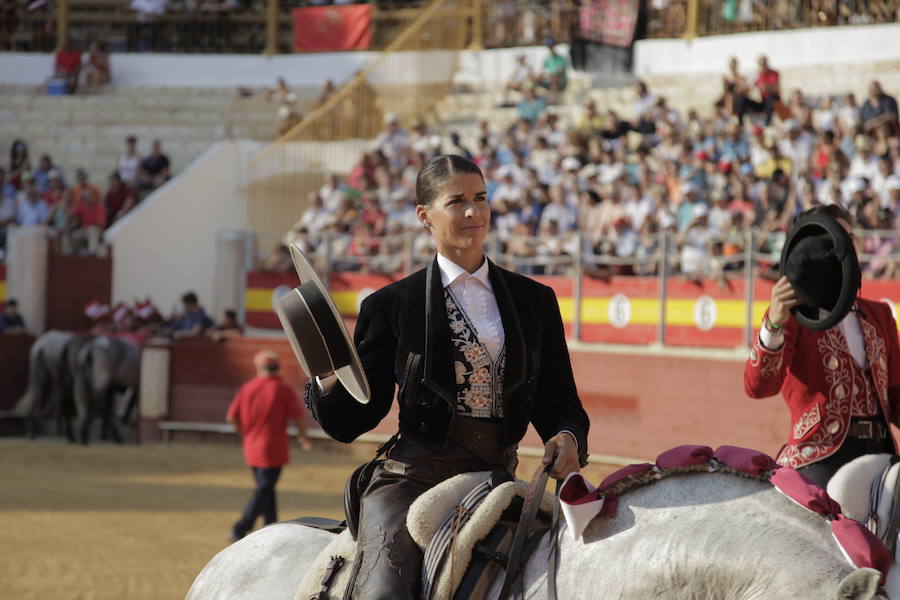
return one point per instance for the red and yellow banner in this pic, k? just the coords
(622, 310)
(2, 283)
(324, 28)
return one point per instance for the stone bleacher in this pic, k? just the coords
(461, 110)
(89, 131)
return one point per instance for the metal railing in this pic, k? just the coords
(754, 256)
(193, 27)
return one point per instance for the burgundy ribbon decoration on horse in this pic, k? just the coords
(581, 502)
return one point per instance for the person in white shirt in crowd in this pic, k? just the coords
(694, 239)
(825, 117)
(403, 210)
(848, 115)
(394, 140)
(129, 164)
(508, 190)
(564, 215)
(316, 217)
(797, 145)
(865, 163)
(33, 209)
(522, 76)
(332, 192)
(879, 184)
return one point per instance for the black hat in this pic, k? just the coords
(316, 331)
(820, 262)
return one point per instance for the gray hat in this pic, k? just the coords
(317, 333)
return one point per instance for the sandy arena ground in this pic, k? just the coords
(139, 522)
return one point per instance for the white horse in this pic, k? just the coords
(713, 536)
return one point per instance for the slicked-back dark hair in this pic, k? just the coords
(435, 173)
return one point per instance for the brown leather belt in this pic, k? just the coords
(868, 429)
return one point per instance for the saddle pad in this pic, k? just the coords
(342, 545)
(430, 510)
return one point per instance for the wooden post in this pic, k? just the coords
(62, 23)
(477, 42)
(272, 27)
(690, 29)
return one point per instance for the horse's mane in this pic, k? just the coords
(643, 478)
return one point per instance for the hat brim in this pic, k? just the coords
(850, 272)
(316, 331)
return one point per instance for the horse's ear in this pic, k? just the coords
(861, 584)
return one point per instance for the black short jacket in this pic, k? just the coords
(403, 339)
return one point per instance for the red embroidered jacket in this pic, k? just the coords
(822, 384)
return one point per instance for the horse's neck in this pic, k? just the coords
(707, 534)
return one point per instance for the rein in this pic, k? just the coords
(523, 532)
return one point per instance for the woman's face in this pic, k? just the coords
(459, 216)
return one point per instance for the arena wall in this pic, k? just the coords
(639, 403)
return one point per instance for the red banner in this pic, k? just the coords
(609, 22)
(323, 28)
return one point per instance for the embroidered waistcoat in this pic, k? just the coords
(479, 377)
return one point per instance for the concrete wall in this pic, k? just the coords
(857, 44)
(168, 244)
(231, 70)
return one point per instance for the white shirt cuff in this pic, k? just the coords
(327, 384)
(771, 341)
(573, 437)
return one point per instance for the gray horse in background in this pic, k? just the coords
(101, 368)
(49, 391)
(77, 376)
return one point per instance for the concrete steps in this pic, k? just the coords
(88, 131)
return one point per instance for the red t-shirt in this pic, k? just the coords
(90, 214)
(68, 61)
(767, 80)
(263, 407)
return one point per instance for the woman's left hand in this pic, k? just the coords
(562, 451)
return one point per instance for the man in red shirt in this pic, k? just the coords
(768, 82)
(67, 65)
(260, 412)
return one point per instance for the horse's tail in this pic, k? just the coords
(29, 404)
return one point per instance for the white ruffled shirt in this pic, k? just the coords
(475, 296)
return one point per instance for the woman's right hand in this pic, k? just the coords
(784, 298)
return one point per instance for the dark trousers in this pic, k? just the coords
(822, 471)
(391, 561)
(261, 503)
(743, 105)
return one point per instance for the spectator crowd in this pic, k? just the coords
(608, 184)
(75, 212)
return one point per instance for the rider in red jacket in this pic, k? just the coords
(842, 385)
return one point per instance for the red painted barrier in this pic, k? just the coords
(623, 310)
(639, 404)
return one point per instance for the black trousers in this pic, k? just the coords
(743, 105)
(391, 561)
(822, 471)
(261, 503)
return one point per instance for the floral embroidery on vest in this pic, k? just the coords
(479, 380)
